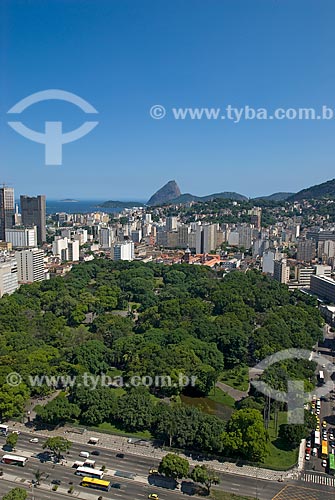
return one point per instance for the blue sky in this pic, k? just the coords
(123, 56)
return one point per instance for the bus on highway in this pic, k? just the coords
(90, 482)
(14, 460)
(4, 429)
(324, 450)
(89, 472)
(331, 462)
(317, 441)
(321, 377)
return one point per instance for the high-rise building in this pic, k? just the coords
(123, 251)
(33, 212)
(281, 271)
(7, 210)
(323, 287)
(106, 237)
(171, 223)
(22, 237)
(73, 251)
(306, 250)
(8, 277)
(30, 265)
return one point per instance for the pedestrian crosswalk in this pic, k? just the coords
(318, 479)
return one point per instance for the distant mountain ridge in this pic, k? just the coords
(170, 193)
(281, 196)
(167, 193)
(318, 191)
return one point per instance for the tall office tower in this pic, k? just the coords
(33, 211)
(30, 265)
(306, 250)
(7, 210)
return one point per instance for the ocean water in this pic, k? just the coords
(80, 206)
(77, 207)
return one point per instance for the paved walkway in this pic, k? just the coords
(234, 393)
(121, 444)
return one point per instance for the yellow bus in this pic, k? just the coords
(324, 450)
(98, 484)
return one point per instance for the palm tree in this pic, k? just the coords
(38, 476)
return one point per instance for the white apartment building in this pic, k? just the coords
(123, 251)
(30, 265)
(22, 237)
(8, 277)
(65, 249)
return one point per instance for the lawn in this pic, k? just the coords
(237, 377)
(223, 495)
(219, 396)
(112, 429)
(280, 457)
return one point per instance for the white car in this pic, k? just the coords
(324, 463)
(33, 440)
(331, 436)
(307, 457)
(16, 432)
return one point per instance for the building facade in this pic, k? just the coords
(7, 210)
(33, 213)
(30, 265)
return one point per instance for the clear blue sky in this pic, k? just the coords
(123, 56)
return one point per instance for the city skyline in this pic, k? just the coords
(124, 58)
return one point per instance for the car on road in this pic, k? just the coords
(317, 427)
(307, 457)
(331, 436)
(95, 452)
(33, 440)
(314, 452)
(324, 424)
(56, 481)
(16, 432)
(153, 496)
(324, 463)
(116, 485)
(120, 455)
(153, 471)
(332, 444)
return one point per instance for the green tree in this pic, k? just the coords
(38, 476)
(135, 409)
(174, 466)
(57, 445)
(292, 434)
(204, 475)
(57, 411)
(16, 494)
(11, 440)
(246, 436)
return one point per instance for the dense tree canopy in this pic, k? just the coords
(149, 321)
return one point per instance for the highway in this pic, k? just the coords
(130, 463)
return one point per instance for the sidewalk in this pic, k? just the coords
(120, 444)
(45, 487)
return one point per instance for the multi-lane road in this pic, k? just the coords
(137, 489)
